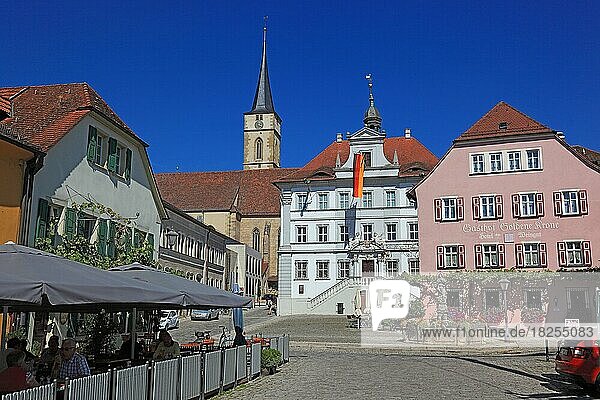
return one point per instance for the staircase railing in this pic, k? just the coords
(338, 287)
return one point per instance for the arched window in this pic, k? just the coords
(259, 149)
(256, 239)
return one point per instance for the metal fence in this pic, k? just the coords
(165, 380)
(212, 371)
(94, 387)
(255, 359)
(46, 392)
(131, 383)
(242, 364)
(191, 376)
(178, 379)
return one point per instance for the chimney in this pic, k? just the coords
(407, 133)
(338, 137)
(560, 134)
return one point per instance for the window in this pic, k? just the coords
(391, 231)
(570, 203)
(413, 266)
(531, 254)
(477, 163)
(300, 289)
(85, 225)
(390, 198)
(367, 232)
(491, 299)
(391, 268)
(301, 234)
(367, 158)
(259, 149)
(533, 298)
(322, 233)
(323, 201)
(413, 231)
(533, 159)
(322, 269)
(302, 197)
(344, 235)
(301, 270)
(514, 160)
(495, 162)
(367, 200)
(449, 209)
(256, 239)
(487, 207)
(528, 205)
(344, 200)
(99, 156)
(343, 269)
(489, 256)
(453, 298)
(574, 253)
(451, 256)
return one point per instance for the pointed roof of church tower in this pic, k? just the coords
(263, 100)
(372, 116)
(503, 120)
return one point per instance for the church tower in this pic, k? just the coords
(262, 125)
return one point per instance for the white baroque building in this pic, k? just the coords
(331, 243)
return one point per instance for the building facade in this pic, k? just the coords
(510, 193)
(332, 243)
(19, 162)
(244, 268)
(191, 249)
(93, 158)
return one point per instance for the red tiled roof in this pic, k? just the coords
(411, 155)
(44, 114)
(590, 154)
(217, 191)
(516, 122)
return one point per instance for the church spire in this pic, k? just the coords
(263, 100)
(372, 117)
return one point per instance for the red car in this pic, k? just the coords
(580, 362)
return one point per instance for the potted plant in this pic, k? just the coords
(270, 359)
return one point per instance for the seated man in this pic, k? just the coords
(12, 344)
(70, 363)
(125, 350)
(14, 377)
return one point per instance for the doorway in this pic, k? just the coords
(368, 267)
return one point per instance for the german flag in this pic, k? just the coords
(359, 171)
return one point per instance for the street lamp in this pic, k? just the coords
(171, 238)
(504, 284)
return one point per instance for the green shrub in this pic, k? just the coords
(270, 358)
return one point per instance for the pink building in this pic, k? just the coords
(510, 193)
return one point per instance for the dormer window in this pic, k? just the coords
(503, 125)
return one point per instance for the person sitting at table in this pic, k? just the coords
(125, 350)
(239, 339)
(49, 353)
(167, 347)
(14, 378)
(70, 364)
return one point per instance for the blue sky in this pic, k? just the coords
(181, 74)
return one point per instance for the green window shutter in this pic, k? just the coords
(70, 223)
(138, 238)
(150, 239)
(127, 239)
(128, 155)
(112, 154)
(92, 139)
(111, 248)
(41, 229)
(102, 236)
(81, 224)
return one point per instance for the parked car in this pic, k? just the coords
(169, 319)
(580, 362)
(204, 315)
